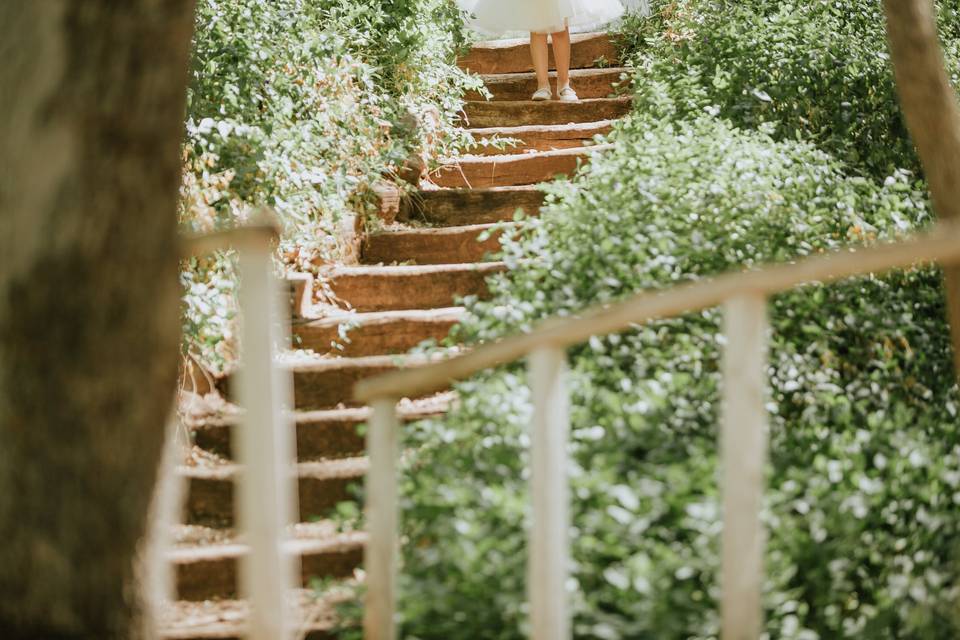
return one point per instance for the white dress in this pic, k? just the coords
(539, 16)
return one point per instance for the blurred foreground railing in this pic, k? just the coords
(266, 499)
(743, 439)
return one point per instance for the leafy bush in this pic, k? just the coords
(865, 471)
(302, 105)
(815, 70)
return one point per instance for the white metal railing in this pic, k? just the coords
(264, 433)
(743, 446)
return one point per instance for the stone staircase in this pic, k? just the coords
(404, 291)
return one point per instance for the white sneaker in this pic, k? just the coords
(542, 94)
(568, 95)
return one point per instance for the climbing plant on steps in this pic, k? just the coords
(303, 106)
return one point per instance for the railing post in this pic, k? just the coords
(265, 449)
(380, 557)
(743, 451)
(548, 542)
(165, 513)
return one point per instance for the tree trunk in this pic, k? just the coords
(91, 114)
(929, 105)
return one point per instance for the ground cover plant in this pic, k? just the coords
(302, 105)
(864, 481)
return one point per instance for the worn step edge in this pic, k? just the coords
(520, 158)
(382, 332)
(226, 619)
(433, 245)
(322, 434)
(210, 571)
(546, 131)
(321, 383)
(325, 433)
(525, 168)
(527, 138)
(588, 83)
(483, 114)
(386, 288)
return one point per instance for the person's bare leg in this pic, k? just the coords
(561, 53)
(540, 54)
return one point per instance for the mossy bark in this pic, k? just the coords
(91, 111)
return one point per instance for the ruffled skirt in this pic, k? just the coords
(539, 16)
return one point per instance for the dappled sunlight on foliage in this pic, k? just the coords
(303, 106)
(814, 70)
(741, 151)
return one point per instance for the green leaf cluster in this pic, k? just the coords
(302, 106)
(739, 153)
(817, 70)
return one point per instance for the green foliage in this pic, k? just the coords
(302, 105)
(816, 70)
(308, 102)
(865, 469)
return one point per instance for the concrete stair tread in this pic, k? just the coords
(458, 206)
(432, 231)
(493, 78)
(315, 363)
(225, 619)
(227, 471)
(513, 169)
(484, 114)
(432, 245)
(378, 332)
(377, 317)
(206, 561)
(306, 538)
(321, 485)
(325, 381)
(322, 434)
(403, 270)
(386, 288)
(547, 131)
(588, 83)
(322, 382)
(521, 157)
(408, 410)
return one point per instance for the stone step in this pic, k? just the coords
(325, 382)
(444, 245)
(322, 382)
(366, 334)
(321, 486)
(209, 570)
(410, 287)
(516, 113)
(542, 137)
(513, 56)
(227, 619)
(516, 169)
(322, 434)
(471, 206)
(588, 83)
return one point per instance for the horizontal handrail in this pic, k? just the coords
(261, 232)
(942, 245)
